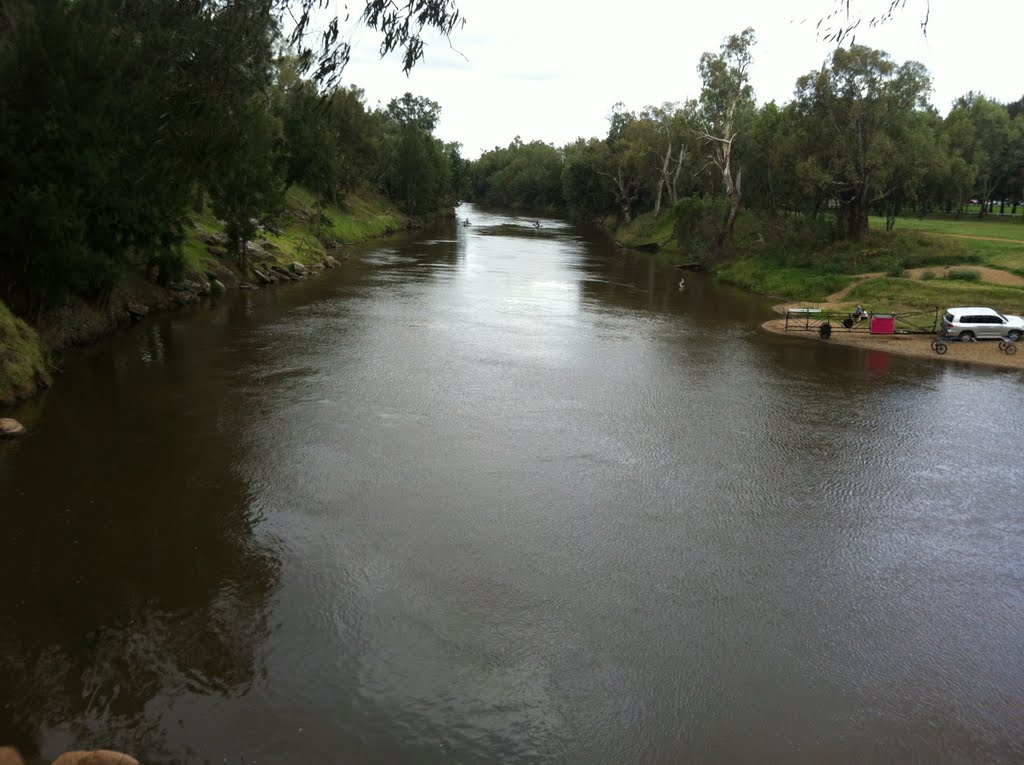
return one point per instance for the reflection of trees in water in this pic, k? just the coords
(131, 572)
(106, 669)
(633, 281)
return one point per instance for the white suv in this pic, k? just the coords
(973, 322)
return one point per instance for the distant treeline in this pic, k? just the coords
(118, 117)
(858, 137)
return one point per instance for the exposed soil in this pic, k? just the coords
(981, 352)
(989, 275)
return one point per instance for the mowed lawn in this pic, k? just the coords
(997, 244)
(1001, 228)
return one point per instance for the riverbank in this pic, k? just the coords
(303, 240)
(922, 266)
(917, 345)
(982, 352)
(24, 366)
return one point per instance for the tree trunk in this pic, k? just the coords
(673, 189)
(662, 180)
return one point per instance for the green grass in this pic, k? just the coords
(760, 275)
(646, 228)
(362, 216)
(965, 226)
(794, 257)
(885, 295)
(1001, 251)
(197, 257)
(1007, 223)
(23, 361)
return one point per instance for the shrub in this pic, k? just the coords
(928, 276)
(964, 274)
(896, 269)
(695, 223)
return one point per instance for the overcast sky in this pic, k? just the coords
(551, 70)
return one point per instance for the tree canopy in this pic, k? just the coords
(118, 117)
(858, 138)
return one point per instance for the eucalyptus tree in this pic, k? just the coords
(532, 177)
(858, 117)
(847, 16)
(251, 185)
(519, 175)
(726, 102)
(631, 160)
(586, 192)
(417, 172)
(145, 105)
(992, 141)
(672, 136)
(767, 158)
(401, 25)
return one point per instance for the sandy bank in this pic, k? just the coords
(982, 352)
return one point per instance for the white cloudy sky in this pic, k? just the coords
(552, 69)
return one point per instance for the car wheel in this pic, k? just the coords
(1013, 335)
(967, 336)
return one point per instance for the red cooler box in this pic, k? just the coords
(883, 324)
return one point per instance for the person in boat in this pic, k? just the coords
(466, 222)
(536, 224)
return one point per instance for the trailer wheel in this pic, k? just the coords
(825, 331)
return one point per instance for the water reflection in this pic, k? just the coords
(132, 573)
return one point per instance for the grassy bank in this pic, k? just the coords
(23, 360)
(922, 263)
(297, 235)
(302, 232)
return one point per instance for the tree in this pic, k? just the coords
(726, 100)
(417, 165)
(417, 111)
(630, 163)
(93, 173)
(856, 119)
(674, 128)
(989, 139)
(401, 27)
(253, 183)
(584, 190)
(100, 175)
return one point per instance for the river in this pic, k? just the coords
(505, 494)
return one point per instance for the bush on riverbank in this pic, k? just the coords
(23, 361)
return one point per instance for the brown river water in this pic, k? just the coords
(497, 494)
